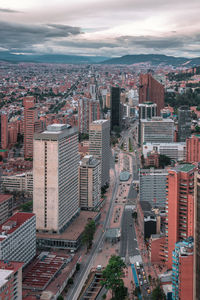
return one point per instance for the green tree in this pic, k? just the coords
(27, 207)
(60, 297)
(134, 215)
(164, 160)
(112, 277)
(88, 234)
(158, 294)
(137, 291)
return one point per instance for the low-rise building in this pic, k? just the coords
(18, 238)
(6, 207)
(18, 183)
(176, 151)
(10, 280)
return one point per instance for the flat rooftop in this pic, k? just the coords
(5, 197)
(13, 223)
(44, 270)
(74, 230)
(184, 168)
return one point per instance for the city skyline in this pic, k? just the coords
(108, 28)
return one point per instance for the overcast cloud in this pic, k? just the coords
(101, 27)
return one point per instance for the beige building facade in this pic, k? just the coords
(55, 177)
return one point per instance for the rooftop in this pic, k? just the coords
(185, 168)
(74, 230)
(44, 270)
(4, 197)
(7, 268)
(13, 223)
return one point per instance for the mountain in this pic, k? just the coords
(50, 58)
(154, 59)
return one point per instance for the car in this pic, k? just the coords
(139, 276)
(141, 283)
(145, 281)
(149, 291)
(144, 277)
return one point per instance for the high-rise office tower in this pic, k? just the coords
(30, 116)
(4, 131)
(55, 177)
(93, 91)
(182, 270)
(184, 123)
(147, 110)
(197, 234)
(180, 206)
(151, 90)
(88, 111)
(89, 182)
(115, 107)
(99, 146)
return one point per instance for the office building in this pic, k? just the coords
(18, 183)
(88, 111)
(182, 270)
(11, 280)
(99, 146)
(18, 238)
(6, 207)
(4, 131)
(197, 234)
(89, 183)
(153, 186)
(180, 206)
(150, 90)
(115, 107)
(30, 117)
(147, 110)
(93, 91)
(156, 130)
(193, 149)
(184, 123)
(176, 151)
(55, 177)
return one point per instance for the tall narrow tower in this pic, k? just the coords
(99, 146)
(30, 115)
(180, 206)
(115, 107)
(55, 177)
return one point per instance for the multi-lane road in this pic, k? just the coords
(86, 267)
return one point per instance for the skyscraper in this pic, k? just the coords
(151, 90)
(197, 234)
(115, 107)
(4, 131)
(88, 111)
(89, 182)
(55, 173)
(184, 123)
(180, 206)
(30, 116)
(99, 146)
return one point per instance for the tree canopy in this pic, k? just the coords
(88, 234)
(112, 277)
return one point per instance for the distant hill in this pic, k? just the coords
(51, 58)
(154, 59)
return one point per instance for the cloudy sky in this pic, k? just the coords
(101, 27)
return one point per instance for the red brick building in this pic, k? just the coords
(193, 149)
(180, 206)
(151, 90)
(11, 280)
(4, 131)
